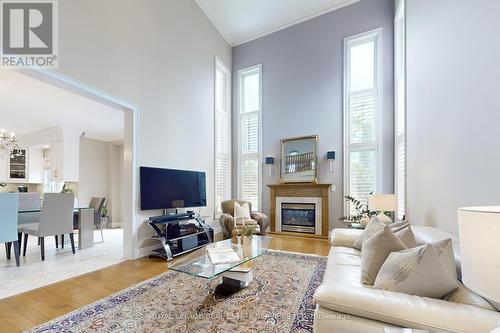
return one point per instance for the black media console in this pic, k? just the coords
(179, 234)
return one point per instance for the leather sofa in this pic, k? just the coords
(345, 305)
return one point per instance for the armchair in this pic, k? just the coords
(261, 221)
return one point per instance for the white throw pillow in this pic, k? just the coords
(418, 271)
(241, 213)
(406, 236)
(375, 251)
(371, 228)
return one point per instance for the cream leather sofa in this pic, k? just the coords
(345, 305)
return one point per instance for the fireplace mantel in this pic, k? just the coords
(311, 190)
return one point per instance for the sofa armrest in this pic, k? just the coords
(345, 237)
(262, 220)
(227, 223)
(406, 310)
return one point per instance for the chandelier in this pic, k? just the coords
(8, 144)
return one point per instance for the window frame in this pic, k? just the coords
(375, 35)
(249, 156)
(220, 65)
(401, 138)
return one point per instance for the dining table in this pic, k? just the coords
(83, 220)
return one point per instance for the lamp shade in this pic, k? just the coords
(382, 202)
(479, 233)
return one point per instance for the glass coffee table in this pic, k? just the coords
(235, 275)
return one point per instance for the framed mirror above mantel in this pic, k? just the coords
(299, 161)
(300, 209)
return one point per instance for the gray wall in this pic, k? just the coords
(302, 88)
(453, 114)
(158, 55)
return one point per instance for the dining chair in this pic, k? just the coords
(56, 218)
(29, 205)
(8, 223)
(98, 204)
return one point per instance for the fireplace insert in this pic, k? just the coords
(298, 217)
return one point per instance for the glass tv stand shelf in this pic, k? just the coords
(179, 234)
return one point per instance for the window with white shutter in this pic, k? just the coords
(249, 147)
(362, 100)
(222, 135)
(400, 109)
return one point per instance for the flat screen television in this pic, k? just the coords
(168, 188)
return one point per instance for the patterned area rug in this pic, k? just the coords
(279, 299)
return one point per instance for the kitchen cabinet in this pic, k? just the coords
(17, 166)
(65, 159)
(35, 165)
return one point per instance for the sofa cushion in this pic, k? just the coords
(464, 295)
(375, 251)
(371, 229)
(418, 271)
(406, 236)
(402, 309)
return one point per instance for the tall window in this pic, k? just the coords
(400, 108)
(222, 135)
(249, 148)
(362, 100)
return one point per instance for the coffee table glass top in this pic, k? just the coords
(198, 262)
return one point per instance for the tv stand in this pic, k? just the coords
(179, 234)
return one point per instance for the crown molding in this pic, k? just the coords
(280, 26)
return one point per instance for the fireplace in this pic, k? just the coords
(298, 217)
(300, 209)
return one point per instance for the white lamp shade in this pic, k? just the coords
(479, 233)
(382, 202)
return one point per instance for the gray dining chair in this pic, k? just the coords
(8, 224)
(56, 218)
(98, 204)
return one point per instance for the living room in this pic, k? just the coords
(252, 121)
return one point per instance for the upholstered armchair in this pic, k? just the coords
(259, 220)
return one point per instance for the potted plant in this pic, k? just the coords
(362, 215)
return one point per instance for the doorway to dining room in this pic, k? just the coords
(76, 140)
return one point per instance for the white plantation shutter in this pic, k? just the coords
(222, 136)
(249, 188)
(360, 115)
(400, 109)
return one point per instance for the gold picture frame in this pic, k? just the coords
(299, 159)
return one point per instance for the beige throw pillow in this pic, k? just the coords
(241, 213)
(406, 236)
(397, 226)
(446, 255)
(372, 228)
(418, 271)
(376, 249)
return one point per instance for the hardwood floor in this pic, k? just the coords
(35, 307)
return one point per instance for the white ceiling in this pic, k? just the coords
(240, 21)
(29, 105)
